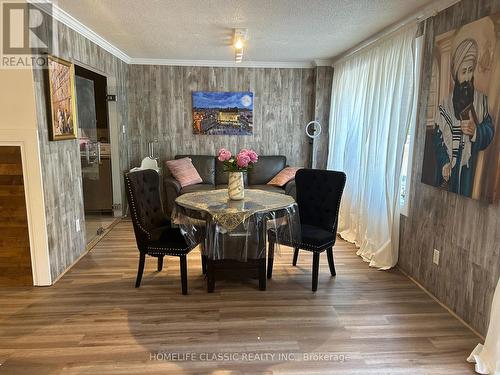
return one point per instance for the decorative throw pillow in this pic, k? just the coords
(184, 171)
(284, 176)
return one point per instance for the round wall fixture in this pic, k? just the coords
(313, 129)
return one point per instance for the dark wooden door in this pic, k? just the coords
(15, 258)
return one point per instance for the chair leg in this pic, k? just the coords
(203, 264)
(262, 273)
(270, 260)
(140, 271)
(210, 276)
(295, 256)
(184, 280)
(331, 264)
(315, 271)
(160, 263)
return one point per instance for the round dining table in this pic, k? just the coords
(233, 233)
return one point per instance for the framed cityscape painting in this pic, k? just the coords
(62, 104)
(462, 144)
(222, 113)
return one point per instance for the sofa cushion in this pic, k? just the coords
(197, 187)
(283, 176)
(271, 188)
(184, 171)
(265, 169)
(204, 164)
(221, 177)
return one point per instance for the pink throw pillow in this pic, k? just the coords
(184, 171)
(284, 176)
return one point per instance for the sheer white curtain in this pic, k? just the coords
(487, 356)
(371, 111)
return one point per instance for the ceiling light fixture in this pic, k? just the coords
(238, 44)
(239, 39)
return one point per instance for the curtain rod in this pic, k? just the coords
(424, 13)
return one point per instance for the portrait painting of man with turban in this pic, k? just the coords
(460, 123)
(464, 126)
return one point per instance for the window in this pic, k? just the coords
(406, 168)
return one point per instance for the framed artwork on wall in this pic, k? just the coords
(222, 113)
(462, 144)
(62, 104)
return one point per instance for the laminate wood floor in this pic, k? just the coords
(93, 321)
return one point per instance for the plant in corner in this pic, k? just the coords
(236, 166)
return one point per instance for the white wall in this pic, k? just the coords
(18, 127)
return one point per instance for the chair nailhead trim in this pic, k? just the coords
(304, 246)
(156, 251)
(134, 210)
(301, 245)
(317, 247)
(333, 228)
(170, 251)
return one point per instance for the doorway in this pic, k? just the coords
(15, 256)
(95, 151)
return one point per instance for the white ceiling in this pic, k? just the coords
(296, 31)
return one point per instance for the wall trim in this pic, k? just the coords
(441, 303)
(88, 247)
(74, 24)
(71, 22)
(35, 203)
(323, 62)
(223, 63)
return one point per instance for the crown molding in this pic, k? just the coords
(65, 18)
(223, 63)
(323, 62)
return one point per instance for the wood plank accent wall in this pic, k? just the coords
(465, 231)
(61, 170)
(322, 101)
(15, 258)
(154, 102)
(160, 106)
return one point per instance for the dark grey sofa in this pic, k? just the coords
(212, 173)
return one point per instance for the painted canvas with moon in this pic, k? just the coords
(222, 113)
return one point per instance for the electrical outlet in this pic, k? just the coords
(77, 223)
(435, 257)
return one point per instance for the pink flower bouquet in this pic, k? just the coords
(242, 162)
